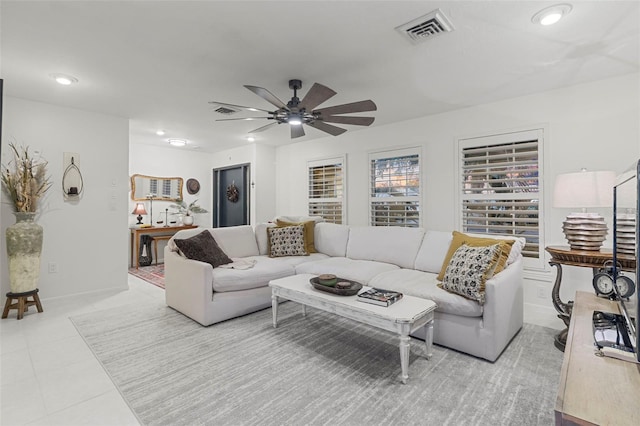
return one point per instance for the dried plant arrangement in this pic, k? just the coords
(24, 180)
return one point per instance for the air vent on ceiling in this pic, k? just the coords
(425, 27)
(225, 110)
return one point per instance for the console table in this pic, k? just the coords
(136, 233)
(594, 390)
(563, 255)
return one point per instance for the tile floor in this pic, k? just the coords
(48, 374)
(50, 377)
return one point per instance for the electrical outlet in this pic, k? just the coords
(542, 292)
(53, 268)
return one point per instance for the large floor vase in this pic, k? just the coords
(24, 246)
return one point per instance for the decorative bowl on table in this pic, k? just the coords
(341, 286)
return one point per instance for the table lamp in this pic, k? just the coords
(582, 190)
(139, 210)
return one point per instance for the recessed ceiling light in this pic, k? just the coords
(160, 132)
(552, 14)
(251, 138)
(177, 142)
(64, 79)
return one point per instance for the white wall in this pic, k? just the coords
(87, 238)
(593, 125)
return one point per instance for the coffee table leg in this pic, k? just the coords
(428, 341)
(304, 310)
(274, 309)
(404, 356)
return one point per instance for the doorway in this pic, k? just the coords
(231, 196)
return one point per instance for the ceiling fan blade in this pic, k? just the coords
(267, 96)
(263, 128)
(296, 131)
(238, 106)
(342, 119)
(360, 106)
(315, 96)
(246, 118)
(332, 130)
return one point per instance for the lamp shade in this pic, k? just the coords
(584, 189)
(139, 209)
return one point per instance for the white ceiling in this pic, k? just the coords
(159, 63)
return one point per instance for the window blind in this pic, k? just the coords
(326, 190)
(501, 191)
(395, 189)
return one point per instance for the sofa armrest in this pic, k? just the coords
(188, 285)
(504, 306)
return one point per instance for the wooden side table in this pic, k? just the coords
(563, 255)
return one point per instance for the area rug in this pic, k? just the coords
(153, 274)
(313, 370)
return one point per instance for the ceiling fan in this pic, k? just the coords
(297, 112)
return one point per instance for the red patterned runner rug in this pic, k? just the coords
(153, 274)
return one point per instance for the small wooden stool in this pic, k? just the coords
(22, 304)
(155, 243)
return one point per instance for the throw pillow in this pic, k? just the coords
(309, 232)
(203, 247)
(469, 270)
(459, 239)
(287, 241)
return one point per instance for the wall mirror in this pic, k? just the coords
(160, 188)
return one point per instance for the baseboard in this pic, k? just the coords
(542, 316)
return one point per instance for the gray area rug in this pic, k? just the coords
(316, 370)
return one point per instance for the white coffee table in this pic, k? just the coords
(403, 317)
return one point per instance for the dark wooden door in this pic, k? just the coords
(231, 196)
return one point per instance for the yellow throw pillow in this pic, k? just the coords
(309, 232)
(459, 239)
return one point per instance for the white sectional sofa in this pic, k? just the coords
(403, 259)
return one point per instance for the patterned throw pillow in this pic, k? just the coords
(469, 270)
(203, 247)
(287, 241)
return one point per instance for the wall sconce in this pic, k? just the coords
(582, 190)
(72, 182)
(139, 210)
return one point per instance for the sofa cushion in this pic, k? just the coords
(433, 251)
(387, 244)
(287, 241)
(309, 231)
(425, 285)
(469, 270)
(264, 270)
(261, 237)
(516, 248)
(361, 271)
(236, 241)
(203, 247)
(459, 239)
(331, 239)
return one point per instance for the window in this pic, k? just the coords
(395, 188)
(326, 189)
(500, 187)
(153, 186)
(166, 187)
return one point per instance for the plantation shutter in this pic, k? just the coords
(395, 188)
(326, 189)
(501, 189)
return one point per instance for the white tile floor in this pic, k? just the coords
(50, 377)
(48, 374)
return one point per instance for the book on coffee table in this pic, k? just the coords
(378, 296)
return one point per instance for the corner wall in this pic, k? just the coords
(86, 239)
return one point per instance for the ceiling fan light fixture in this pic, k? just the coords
(177, 142)
(294, 120)
(552, 14)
